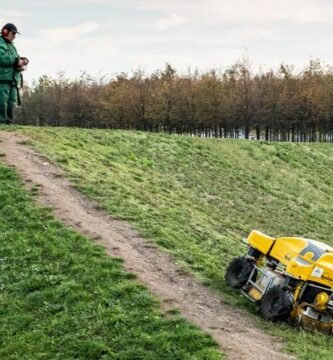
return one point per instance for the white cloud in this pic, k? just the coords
(67, 33)
(248, 33)
(316, 12)
(171, 21)
(50, 56)
(117, 35)
(13, 16)
(301, 11)
(10, 14)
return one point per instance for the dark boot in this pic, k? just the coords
(4, 97)
(3, 113)
(10, 113)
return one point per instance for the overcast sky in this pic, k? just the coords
(105, 37)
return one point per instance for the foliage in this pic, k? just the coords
(277, 105)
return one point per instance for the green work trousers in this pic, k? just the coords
(7, 103)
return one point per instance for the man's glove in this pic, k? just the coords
(22, 63)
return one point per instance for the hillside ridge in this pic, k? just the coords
(233, 329)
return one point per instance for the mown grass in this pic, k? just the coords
(199, 197)
(62, 298)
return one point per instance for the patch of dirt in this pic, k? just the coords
(233, 329)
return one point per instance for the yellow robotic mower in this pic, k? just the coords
(290, 277)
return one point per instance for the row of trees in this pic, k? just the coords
(273, 105)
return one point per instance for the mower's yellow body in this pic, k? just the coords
(308, 260)
(291, 278)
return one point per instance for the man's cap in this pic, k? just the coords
(11, 27)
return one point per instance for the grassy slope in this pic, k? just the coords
(63, 298)
(198, 197)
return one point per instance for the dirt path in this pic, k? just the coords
(234, 331)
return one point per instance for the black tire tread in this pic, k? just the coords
(238, 272)
(276, 304)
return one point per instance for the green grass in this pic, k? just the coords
(198, 197)
(62, 298)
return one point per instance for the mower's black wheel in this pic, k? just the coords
(276, 304)
(238, 272)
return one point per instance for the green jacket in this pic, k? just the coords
(8, 61)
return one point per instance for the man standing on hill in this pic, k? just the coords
(11, 65)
